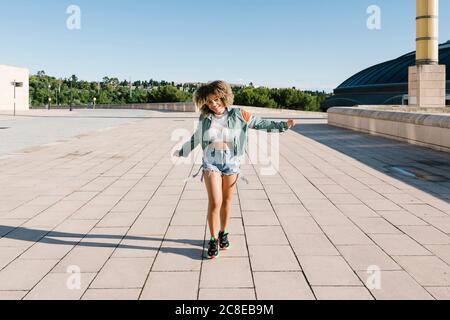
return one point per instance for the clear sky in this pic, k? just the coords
(314, 44)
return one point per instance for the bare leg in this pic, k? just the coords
(213, 182)
(228, 187)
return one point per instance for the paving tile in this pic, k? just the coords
(399, 198)
(441, 251)
(274, 189)
(227, 294)
(282, 286)
(395, 285)
(253, 194)
(328, 271)
(342, 293)
(399, 245)
(361, 257)
(331, 189)
(49, 249)
(123, 273)
(12, 295)
(191, 205)
(283, 198)
(330, 218)
(202, 195)
(426, 234)
(152, 211)
(160, 286)
(273, 258)
(256, 205)
(312, 245)
(424, 210)
(238, 267)
(23, 275)
(22, 237)
(344, 199)
(189, 219)
(111, 294)
(439, 293)
(149, 227)
(382, 205)
(256, 218)
(60, 286)
(235, 226)
(70, 227)
(402, 218)
(178, 259)
(117, 219)
(267, 235)
(375, 225)
(182, 236)
(426, 270)
(300, 225)
(238, 247)
(441, 223)
(7, 255)
(91, 212)
(88, 259)
(346, 235)
(130, 247)
(357, 210)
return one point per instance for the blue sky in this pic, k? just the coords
(314, 44)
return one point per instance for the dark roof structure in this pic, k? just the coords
(383, 84)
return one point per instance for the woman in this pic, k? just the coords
(223, 134)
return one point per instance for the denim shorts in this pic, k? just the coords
(222, 161)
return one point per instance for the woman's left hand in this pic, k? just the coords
(290, 123)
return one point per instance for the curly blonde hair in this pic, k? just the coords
(219, 88)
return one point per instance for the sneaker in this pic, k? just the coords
(223, 241)
(213, 249)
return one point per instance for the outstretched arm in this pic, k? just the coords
(260, 124)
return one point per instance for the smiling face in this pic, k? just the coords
(215, 104)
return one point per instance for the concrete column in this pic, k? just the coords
(427, 32)
(427, 78)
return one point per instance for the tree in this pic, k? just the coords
(167, 94)
(113, 91)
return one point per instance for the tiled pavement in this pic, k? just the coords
(106, 215)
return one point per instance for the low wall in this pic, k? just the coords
(178, 106)
(425, 129)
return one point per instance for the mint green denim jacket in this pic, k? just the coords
(239, 123)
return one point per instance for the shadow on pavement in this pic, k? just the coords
(54, 237)
(420, 167)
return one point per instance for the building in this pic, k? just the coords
(14, 81)
(385, 83)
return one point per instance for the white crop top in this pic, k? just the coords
(219, 131)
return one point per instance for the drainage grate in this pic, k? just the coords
(4, 128)
(416, 173)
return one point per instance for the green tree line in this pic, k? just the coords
(46, 89)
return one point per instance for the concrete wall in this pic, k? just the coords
(428, 130)
(7, 75)
(175, 106)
